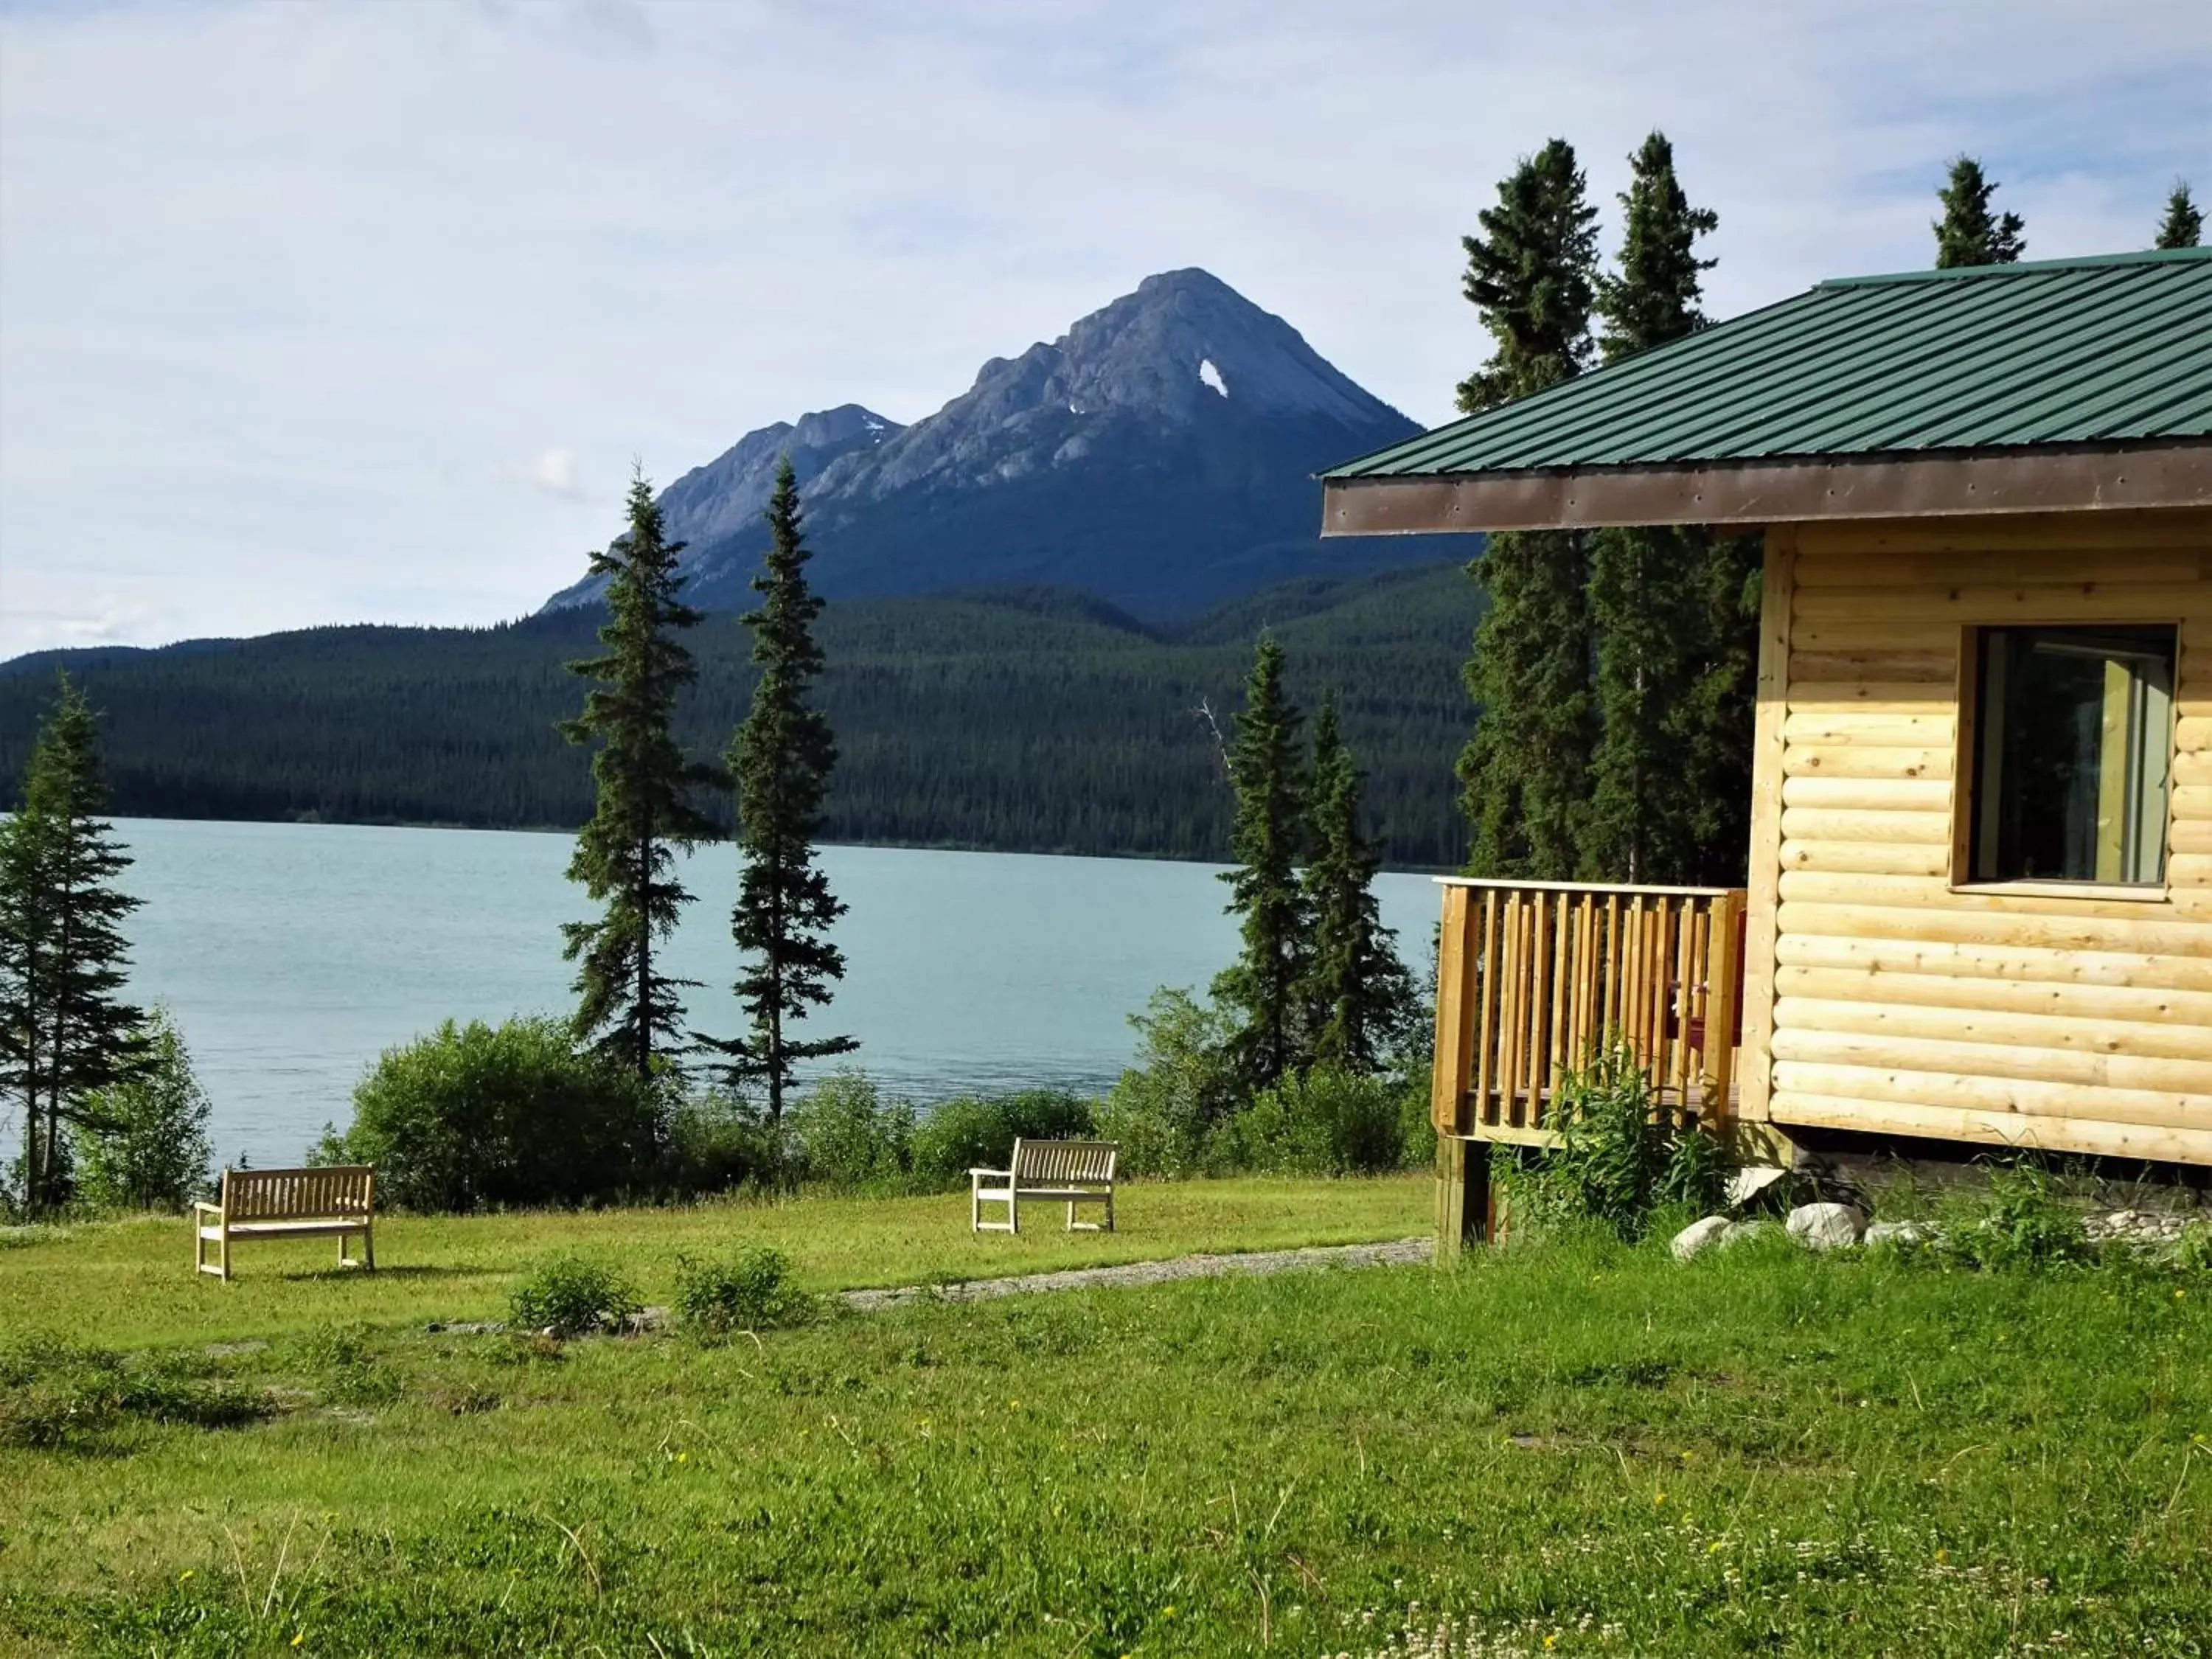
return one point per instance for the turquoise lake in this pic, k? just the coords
(293, 954)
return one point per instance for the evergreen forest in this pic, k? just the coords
(1028, 721)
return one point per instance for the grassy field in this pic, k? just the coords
(1563, 1448)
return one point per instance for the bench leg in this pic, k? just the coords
(368, 1247)
(974, 1205)
(1013, 1209)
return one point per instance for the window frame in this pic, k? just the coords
(1965, 766)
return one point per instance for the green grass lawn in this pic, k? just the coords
(131, 1284)
(1564, 1449)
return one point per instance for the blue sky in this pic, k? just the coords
(335, 312)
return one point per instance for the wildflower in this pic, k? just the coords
(1552, 1640)
(301, 1638)
(187, 1573)
(683, 1457)
(1658, 1497)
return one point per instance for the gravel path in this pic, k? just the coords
(1399, 1252)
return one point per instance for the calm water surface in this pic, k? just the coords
(293, 954)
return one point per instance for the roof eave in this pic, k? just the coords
(2039, 478)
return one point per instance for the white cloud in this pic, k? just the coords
(286, 290)
(556, 471)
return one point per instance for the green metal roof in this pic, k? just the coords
(2109, 350)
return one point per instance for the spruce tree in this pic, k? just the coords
(1357, 992)
(779, 759)
(1719, 710)
(2184, 224)
(1525, 771)
(65, 1031)
(1969, 233)
(628, 1006)
(1644, 582)
(1261, 988)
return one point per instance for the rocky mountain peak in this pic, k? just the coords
(727, 496)
(1159, 454)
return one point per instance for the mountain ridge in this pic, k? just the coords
(1159, 455)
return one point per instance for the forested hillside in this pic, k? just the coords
(1021, 720)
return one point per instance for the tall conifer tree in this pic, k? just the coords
(1525, 771)
(1969, 233)
(2184, 224)
(1645, 592)
(628, 1003)
(1357, 991)
(1262, 986)
(780, 758)
(65, 1030)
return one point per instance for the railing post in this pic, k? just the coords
(1454, 1062)
(1723, 999)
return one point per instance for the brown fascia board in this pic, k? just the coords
(2042, 480)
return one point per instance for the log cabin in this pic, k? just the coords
(1977, 906)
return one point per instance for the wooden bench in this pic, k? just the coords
(287, 1203)
(1058, 1171)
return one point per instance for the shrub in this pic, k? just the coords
(149, 1150)
(752, 1291)
(979, 1131)
(847, 1135)
(1163, 1108)
(481, 1116)
(716, 1142)
(570, 1295)
(1618, 1162)
(1325, 1122)
(2020, 1223)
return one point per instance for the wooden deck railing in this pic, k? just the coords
(1532, 976)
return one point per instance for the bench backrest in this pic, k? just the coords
(297, 1194)
(1060, 1161)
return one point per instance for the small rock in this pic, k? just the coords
(1739, 1230)
(1750, 1182)
(1904, 1235)
(1698, 1235)
(1827, 1226)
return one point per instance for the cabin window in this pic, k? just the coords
(2072, 739)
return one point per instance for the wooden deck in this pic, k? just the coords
(1533, 977)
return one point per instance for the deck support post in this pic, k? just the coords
(1465, 1207)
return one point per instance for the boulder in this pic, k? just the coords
(1903, 1235)
(1752, 1182)
(1827, 1226)
(1697, 1236)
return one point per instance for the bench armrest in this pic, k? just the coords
(201, 1206)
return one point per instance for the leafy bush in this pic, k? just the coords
(149, 1149)
(2022, 1222)
(570, 1295)
(1325, 1122)
(752, 1291)
(481, 1116)
(1163, 1108)
(716, 1143)
(1618, 1162)
(979, 1131)
(847, 1135)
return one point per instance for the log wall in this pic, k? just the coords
(1888, 998)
